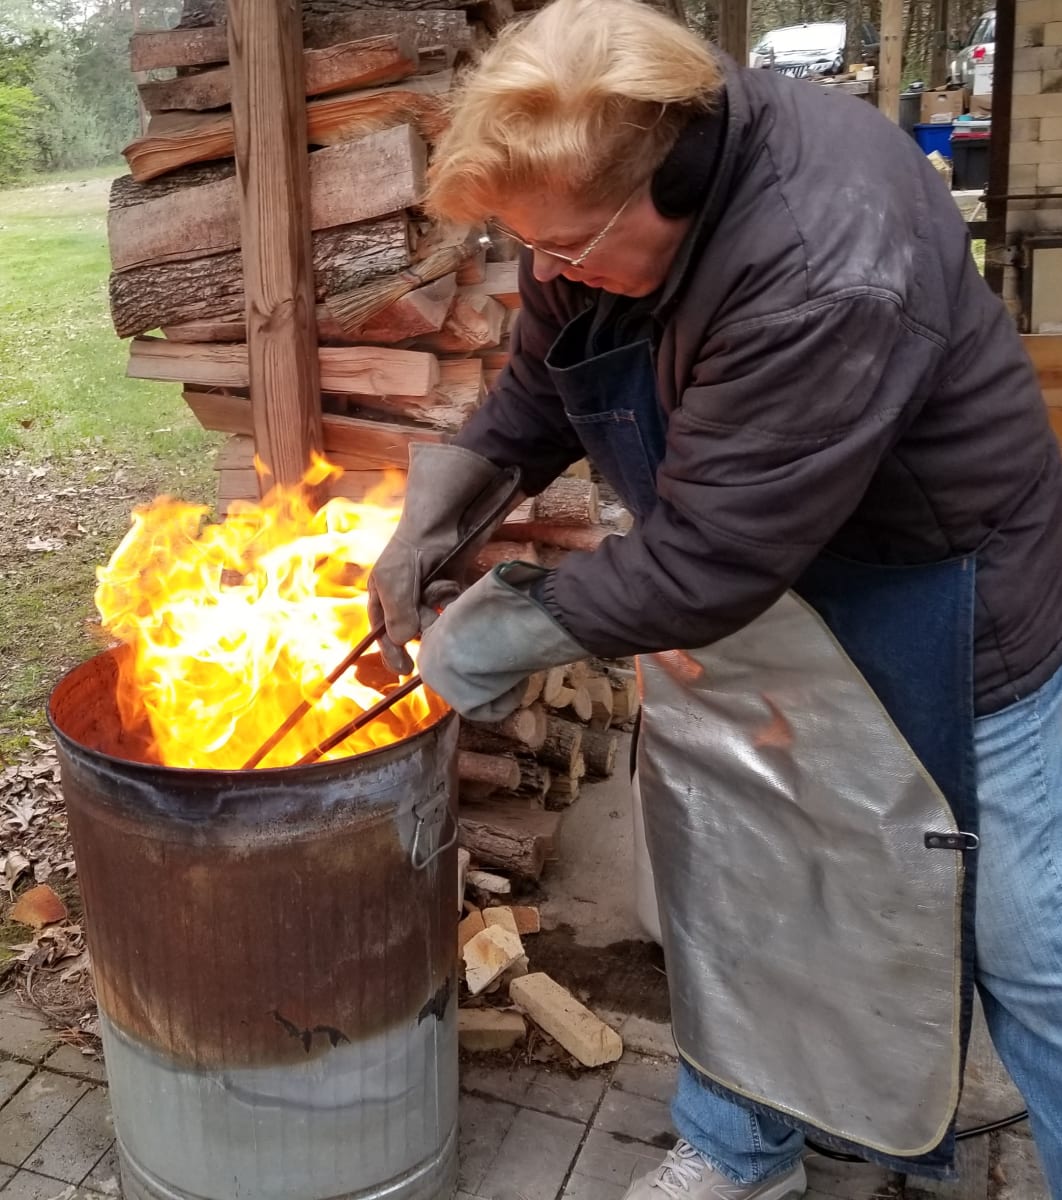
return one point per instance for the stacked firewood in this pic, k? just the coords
(413, 327)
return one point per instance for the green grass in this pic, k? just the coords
(79, 443)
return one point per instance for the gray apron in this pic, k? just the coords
(809, 796)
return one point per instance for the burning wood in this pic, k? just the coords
(229, 626)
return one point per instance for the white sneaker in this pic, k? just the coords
(686, 1175)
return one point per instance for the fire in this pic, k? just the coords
(230, 625)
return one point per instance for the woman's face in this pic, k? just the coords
(632, 259)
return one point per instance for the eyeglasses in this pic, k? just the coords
(580, 258)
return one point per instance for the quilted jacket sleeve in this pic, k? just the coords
(777, 436)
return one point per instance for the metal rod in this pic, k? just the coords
(999, 147)
(510, 476)
(362, 719)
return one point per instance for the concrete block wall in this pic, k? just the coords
(1036, 132)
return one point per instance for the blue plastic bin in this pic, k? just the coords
(934, 137)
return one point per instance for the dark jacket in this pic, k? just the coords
(836, 375)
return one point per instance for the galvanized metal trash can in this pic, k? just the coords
(274, 960)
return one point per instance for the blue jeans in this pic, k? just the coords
(1019, 948)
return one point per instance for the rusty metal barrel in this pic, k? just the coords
(273, 953)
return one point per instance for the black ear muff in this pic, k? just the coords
(678, 185)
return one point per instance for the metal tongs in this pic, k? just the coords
(480, 523)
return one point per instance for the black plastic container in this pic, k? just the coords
(970, 156)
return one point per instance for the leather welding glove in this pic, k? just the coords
(447, 489)
(483, 647)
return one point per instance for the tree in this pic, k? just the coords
(17, 109)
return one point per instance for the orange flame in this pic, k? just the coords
(231, 625)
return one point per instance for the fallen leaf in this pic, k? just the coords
(44, 544)
(38, 907)
(14, 866)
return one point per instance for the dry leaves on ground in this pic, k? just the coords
(36, 839)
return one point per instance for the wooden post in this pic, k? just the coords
(891, 69)
(734, 29)
(938, 66)
(272, 167)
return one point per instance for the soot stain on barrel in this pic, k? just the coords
(220, 940)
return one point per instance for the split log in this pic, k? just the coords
(564, 537)
(472, 323)
(501, 773)
(564, 789)
(369, 444)
(205, 288)
(577, 673)
(535, 779)
(601, 702)
(580, 703)
(448, 406)
(368, 62)
(527, 726)
(495, 553)
(357, 181)
(434, 34)
(625, 700)
(534, 688)
(562, 698)
(563, 744)
(219, 329)
(553, 685)
(475, 270)
(420, 311)
(343, 368)
(510, 836)
(578, 470)
(600, 749)
(244, 485)
(567, 502)
(177, 139)
(500, 281)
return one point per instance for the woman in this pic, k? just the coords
(753, 305)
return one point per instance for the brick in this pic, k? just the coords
(78, 1142)
(68, 1060)
(28, 1118)
(646, 1077)
(1038, 58)
(1035, 12)
(105, 1175)
(488, 955)
(22, 1032)
(1049, 175)
(1028, 83)
(1051, 129)
(468, 928)
(489, 1030)
(563, 1095)
(636, 1117)
(1026, 152)
(28, 1185)
(1047, 104)
(1053, 33)
(482, 1126)
(528, 920)
(556, 1010)
(1024, 178)
(501, 916)
(534, 1159)
(12, 1076)
(1026, 36)
(615, 1160)
(1027, 130)
(1051, 80)
(585, 1187)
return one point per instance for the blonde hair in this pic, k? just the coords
(585, 98)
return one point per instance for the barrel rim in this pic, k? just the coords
(375, 757)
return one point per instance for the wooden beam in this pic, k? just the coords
(371, 444)
(734, 22)
(891, 62)
(365, 370)
(369, 62)
(1045, 350)
(273, 172)
(355, 181)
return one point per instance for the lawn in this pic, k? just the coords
(79, 443)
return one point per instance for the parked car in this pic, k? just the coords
(812, 49)
(979, 50)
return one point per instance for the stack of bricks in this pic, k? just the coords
(1036, 131)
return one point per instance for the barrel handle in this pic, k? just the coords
(441, 849)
